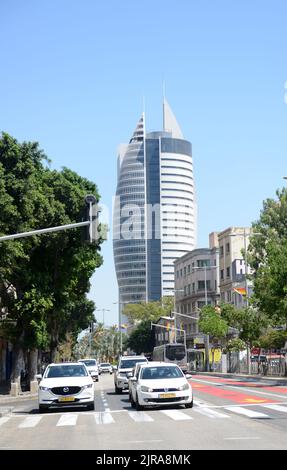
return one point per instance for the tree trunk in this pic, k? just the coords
(33, 363)
(17, 365)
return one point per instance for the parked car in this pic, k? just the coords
(64, 385)
(124, 370)
(160, 384)
(134, 373)
(105, 367)
(92, 367)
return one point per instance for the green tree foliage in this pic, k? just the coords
(141, 340)
(273, 339)
(151, 311)
(43, 279)
(267, 256)
(211, 322)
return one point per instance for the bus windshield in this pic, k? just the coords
(175, 352)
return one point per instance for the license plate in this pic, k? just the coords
(66, 399)
(167, 395)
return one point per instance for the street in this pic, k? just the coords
(227, 414)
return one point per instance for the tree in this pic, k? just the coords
(149, 310)
(141, 340)
(267, 256)
(44, 278)
(211, 323)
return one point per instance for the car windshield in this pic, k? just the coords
(160, 372)
(66, 371)
(130, 363)
(105, 365)
(90, 362)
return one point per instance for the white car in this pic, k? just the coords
(124, 371)
(66, 384)
(160, 383)
(92, 367)
(105, 367)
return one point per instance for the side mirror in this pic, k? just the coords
(115, 367)
(133, 378)
(188, 376)
(38, 377)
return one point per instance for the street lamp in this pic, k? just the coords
(103, 310)
(120, 324)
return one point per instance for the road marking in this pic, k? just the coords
(30, 422)
(210, 412)
(176, 415)
(240, 438)
(246, 412)
(3, 420)
(282, 409)
(142, 442)
(102, 417)
(67, 420)
(140, 416)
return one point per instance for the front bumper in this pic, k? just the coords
(158, 399)
(84, 397)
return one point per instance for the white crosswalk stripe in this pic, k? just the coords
(4, 420)
(246, 412)
(104, 417)
(30, 422)
(147, 416)
(140, 416)
(176, 415)
(210, 413)
(282, 409)
(67, 420)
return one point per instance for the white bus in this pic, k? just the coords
(171, 352)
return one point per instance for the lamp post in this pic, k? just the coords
(120, 324)
(103, 310)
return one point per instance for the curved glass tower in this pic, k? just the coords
(154, 211)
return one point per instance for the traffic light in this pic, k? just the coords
(91, 212)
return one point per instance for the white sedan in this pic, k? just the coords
(160, 383)
(66, 384)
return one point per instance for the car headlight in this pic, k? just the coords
(88, 386)
(184, 387)
(46, 389)
(146, 389)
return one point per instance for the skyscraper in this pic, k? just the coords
(154, 210)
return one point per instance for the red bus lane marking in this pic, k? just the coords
(232, 395)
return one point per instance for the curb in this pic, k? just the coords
(5, 411)
(4, 398)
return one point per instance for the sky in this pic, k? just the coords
(74, 75)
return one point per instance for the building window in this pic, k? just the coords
(222, 274)
(221, 251)
(188, 269)
(200, 285)
(228, 272)
(193, 287)
(188, 289)
(184, 271)
(227, 248)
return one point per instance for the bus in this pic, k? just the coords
(171, 352)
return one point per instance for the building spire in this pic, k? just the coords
(170, 123)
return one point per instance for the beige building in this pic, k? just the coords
(196, 284)
(233, 245)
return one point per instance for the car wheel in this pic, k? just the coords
(189, 405)
(133, 404)
(137, 405)
(118, 390)
(43, 408)
(91, 406)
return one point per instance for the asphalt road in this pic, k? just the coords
(227, 414)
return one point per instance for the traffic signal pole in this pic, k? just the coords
(90, 200)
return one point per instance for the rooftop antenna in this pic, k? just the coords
(163, 100)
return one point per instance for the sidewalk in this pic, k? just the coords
(277, 380)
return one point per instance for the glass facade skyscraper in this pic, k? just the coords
(154, 211)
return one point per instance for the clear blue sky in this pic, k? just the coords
(74, 73)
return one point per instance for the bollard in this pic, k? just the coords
(15, 389)
(34, 386)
